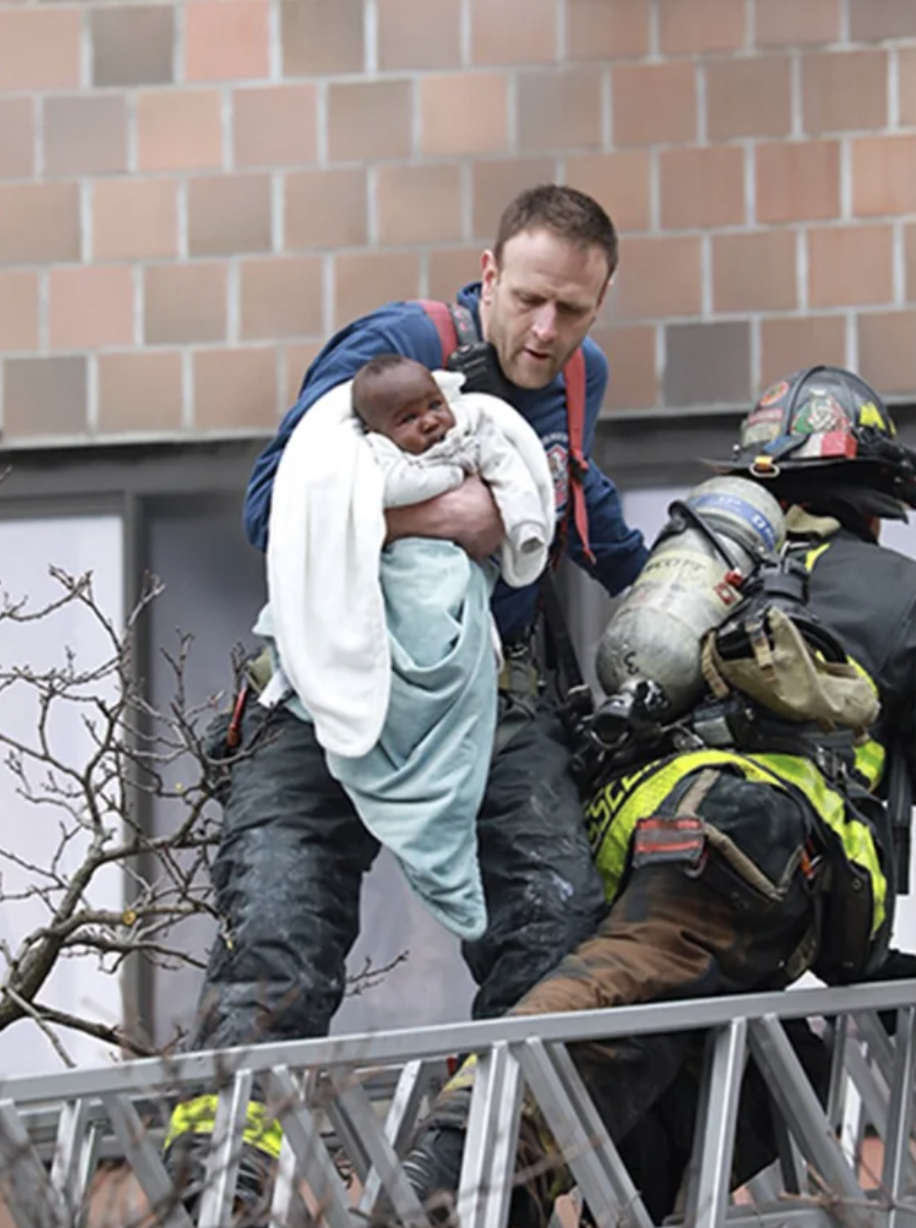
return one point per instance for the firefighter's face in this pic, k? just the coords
(538, 302)
(407, 406)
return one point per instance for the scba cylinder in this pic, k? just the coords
(687, 588)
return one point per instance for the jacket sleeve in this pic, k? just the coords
(409, 332)
(619, 551)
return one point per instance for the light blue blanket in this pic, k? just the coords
(420, 788)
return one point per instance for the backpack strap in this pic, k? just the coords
(454, 324)
(574, 375)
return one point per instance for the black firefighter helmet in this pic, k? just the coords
(822, 435)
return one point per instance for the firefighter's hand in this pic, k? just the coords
(467, 515)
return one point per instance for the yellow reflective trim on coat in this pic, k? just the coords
(812, 555)
(199, 1117)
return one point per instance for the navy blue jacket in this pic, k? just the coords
(405, 328)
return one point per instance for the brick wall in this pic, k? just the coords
(192, 195)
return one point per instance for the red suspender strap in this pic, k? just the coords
(574, 375)
(445, 326)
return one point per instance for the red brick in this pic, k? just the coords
(184, 302)
(132, 45)
(297, 358)
(749, 96)
(707, 364)
(606, 29)
(690, 26)
(844, 90)
(228, 214)
(90, 306)
(497, 181)
(225, 40)
(654, 103)
(450, 268)
(43, 397)
(754, 272)
(275, 126)
(619, 181)
(39, 223)
(848, 265)
(39, 49)
(322, 36)
(631, 353)
(465, 113)
(281, 297)
(887, 355)
(235, 388)
(85, 135)
(702, 187)
(179, 130)
(658, 277)
(134, 219)
(418, 36)
(870, 20)
(906, 72)
(909, 247)
(797, 181)
(369, 120)
(788, 23)
(18, 310)
(326, 209)
(513, 31)
(140, 391)
(884, 175)
(365, 280)
(419, 204)
(559, 109)
(17, 149)
(789, 343)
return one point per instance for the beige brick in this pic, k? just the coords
(870, 20)
(179, 130)
(132, 44)
(39, 49)
(369, 120)
(631, 352)
(275, 126)
(85, 135)
(495, 182)
(365, 280)
(419, 204)
(797, 181)
(297, 358)
(789, 343)
(228, 214)
(418, 36)
(707, 364)
(281, 297)
(606, 29)
(844, 90)
(450, 268)
(140, 391)
(18, 310)
(322, 36)
(559, 109)
(134, 219)
(754, 272)
(884, 175)
(688, 197)
(184, 302)
(235, 388)
(619, 181)
(17, 157)
(658, 277)
(90, 306)
(787, 23)
(226, 40)
(887, 354)
(39, 223)
(326, 209)
(463, 114)
(848, 265)
(690, 26)
(44, 396)
(654, 103)
(513, 31)
(906, 75)
(909, 247)
(748, 97)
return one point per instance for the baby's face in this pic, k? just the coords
(409, 409)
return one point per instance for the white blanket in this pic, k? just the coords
(326, 532)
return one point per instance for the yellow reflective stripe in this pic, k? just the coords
(869, 762)
(198, 1117)
(812, 555)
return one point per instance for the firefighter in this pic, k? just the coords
(779, 856)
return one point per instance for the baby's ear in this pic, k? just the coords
(450, 383)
